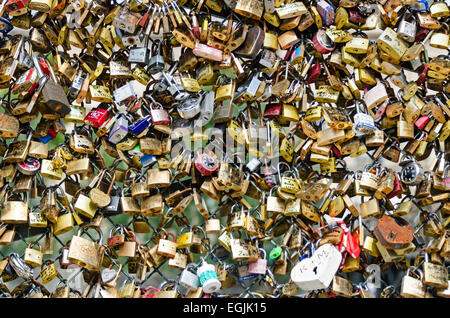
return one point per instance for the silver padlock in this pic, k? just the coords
(207, 106)
(363, 122)
(175, 88)
(412, 173)
(407, 28)
(65, 257)
(189, 279)
(124, 93)
(156, 61)
(139, 54)
(119, 130)
(268, 58)
(252, 87)
(189, 108)
(75, 87)
(253, 164)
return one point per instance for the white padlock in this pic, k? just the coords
(317, 271)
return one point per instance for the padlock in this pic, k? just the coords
(189, 279)
(259, 266)
(306, 278)
(440, 38)
(413, 287)
(86, 253)
(407, 28)
(129, 245)
(32, 256)
(208, 277)
(167, 247)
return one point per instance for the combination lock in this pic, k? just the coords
(412, 174)
(205, 164)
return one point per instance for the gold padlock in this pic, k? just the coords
(86, 253)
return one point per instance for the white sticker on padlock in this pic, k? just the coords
(364, 124)
(253, 86)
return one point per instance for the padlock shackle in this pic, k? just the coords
(84, 227)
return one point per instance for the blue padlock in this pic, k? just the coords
(5, 25)
(140, 126)
(147, 160)
(45, 139)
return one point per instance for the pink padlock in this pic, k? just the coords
(446, 178)
(159, 115)
(259, 266)
(207, 52)
(422, 122)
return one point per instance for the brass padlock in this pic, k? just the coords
(86, 253)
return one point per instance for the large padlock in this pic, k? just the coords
(317, 271)
(84, 252)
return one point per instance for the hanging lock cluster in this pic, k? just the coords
(217, 137)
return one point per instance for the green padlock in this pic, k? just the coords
(275, 253)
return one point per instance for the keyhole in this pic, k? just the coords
(393, 235)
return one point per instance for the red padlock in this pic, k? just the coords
(52, 133)
(26, 82)
(143, 21)
(117, 239)
(422, 122)
(96, 117)
(314, 73)
(269, 177)
(355, 17)
(149, 292)
(205, 164)
(336, 151)
(381, 109)
(421, 34)
(272, 110)
(44, 67)
(422, 76)
(322, 42)
(195, 27)
(17, 7)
